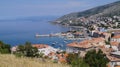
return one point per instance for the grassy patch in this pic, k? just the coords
(7, 60)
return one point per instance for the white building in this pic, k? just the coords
(45, 49)
(114, 59)
(113, 47)
(14, 49)
(76, 47)
(116, 38)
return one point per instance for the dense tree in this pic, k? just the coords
(4, 48)
(75, 61)
(27, 50)
(96, 58)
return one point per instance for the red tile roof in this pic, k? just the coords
(112, 58)
(96, 40)
(86, 43)
(108, 65)
(116, 36)
(83, 44)
(113, 43)
(62, 60)
(117, 66)
(78, 33)
(39, 46)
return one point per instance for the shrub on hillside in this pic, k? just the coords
(75, 61)
(96, 58)
(27, 50)
(4, 48)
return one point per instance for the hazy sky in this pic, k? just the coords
(25, 8)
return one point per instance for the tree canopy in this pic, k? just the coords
(4, 48)
(75, 61)
(96, 58)
(27, 50)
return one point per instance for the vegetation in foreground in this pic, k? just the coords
(93, 58)
(75, 61)
(27, 56)
(96, 58)
(4, 48)
(7, 60)
(27, 50)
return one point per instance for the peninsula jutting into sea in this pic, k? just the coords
(43, 34)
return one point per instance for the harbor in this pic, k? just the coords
(50, 35)
(75, 33)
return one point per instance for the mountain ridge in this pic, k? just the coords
(104, 10)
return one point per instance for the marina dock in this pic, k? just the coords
(80, 34)
(49, 35)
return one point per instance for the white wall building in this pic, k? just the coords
(45, 49)
(114, 59)
(116, 38)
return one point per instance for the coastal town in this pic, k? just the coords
(96, 36)
(40, 33)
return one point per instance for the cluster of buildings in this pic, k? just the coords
(105, 35)
(86, 45)
(56, 55)
(101, 37)
(110, 45)
(111, 49)
(93, 23)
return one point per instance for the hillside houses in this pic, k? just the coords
(51, 53)
(76, 47)
(112, 50)
(42, 48)
(96, 34)
(85, 45)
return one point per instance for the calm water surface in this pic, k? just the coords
(19, 31)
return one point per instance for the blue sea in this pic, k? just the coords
(18, 31)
